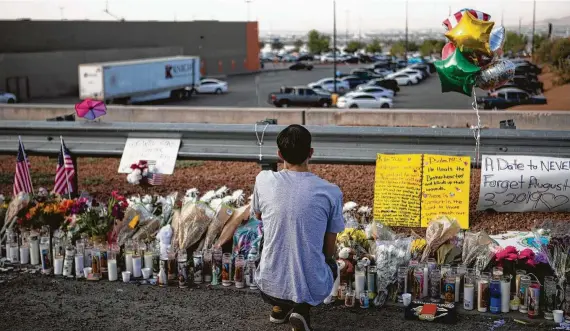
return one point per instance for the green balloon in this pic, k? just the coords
(456, 73)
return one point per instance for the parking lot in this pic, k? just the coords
(250, 91)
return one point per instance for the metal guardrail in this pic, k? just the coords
(227, 142)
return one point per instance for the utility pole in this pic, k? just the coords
(334, 46)
(533, 26)
(347, 20)
(520, 25)
(449, 13)
(61, 13)
(248, 3)
(406, 44)
(503, 17)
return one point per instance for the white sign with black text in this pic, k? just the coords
(517, 183)
(163, 151)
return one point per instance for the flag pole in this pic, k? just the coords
(65, 170)
(27, 164)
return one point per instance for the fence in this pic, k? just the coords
(256, 143)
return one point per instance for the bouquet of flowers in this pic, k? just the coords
(99, 219)
(47, 210)
(556, 251)
(390, 255)
(142, 173)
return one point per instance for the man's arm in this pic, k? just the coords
(255, 202)
(329, 249)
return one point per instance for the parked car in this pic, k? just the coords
(376, 91)
(351, 59)
(354, 81)
(363, 100)
(301, 66)
(365, 74)
(210, 85)
(416, 73)
(527, 67)
(299, 96)
(391, 84)
(506, 98)
(365, 58)
(6, 97)
(404, 78)
(530, 86)
(328, 84)
(306, 57)
(383, 71)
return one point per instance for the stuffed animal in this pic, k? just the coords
(346, 272)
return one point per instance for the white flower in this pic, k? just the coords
(137, 172)
(227, 200)
(146, 199)
(145, 172)
(349, 206)
(238, 197)
(208, 196)
(221, 191)
(365, 210)
(215, 203)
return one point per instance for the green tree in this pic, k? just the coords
(298, 44)
(412, 46)
(354, 46)
(318, 43)
(374, 47)
(431, 46)
(398, 48)
(515, 42)
(276, 45)
(261, 45)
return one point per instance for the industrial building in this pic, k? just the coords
(39, 59)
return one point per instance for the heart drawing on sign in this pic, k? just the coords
(554, 201)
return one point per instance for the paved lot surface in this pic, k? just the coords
(33, 302)
(252, 91)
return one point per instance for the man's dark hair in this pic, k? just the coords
(294, 143)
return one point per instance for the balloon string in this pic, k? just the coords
(476, 129)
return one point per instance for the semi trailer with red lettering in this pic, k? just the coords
(133, 81)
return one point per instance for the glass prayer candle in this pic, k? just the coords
(449, 287)
(435, 285)
(483, 293)
(239, 271)
(198, 263)
(207, 270)
(523, 296)
(445, 268)
(495, 296)
(402, 282)
(112, 272)
(533, 300)
(182, 257)
(217, 258)
(359, 280)
(551, 301)
(497, 273)
(226, 269)
(371, 282)
(505, 294)
(469, 292)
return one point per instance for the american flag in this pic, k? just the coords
(22, 178)
(64, 172)
(452, 20)
(155, 179)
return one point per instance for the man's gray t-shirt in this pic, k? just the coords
(297, 208)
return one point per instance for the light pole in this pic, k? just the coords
(248, 3)
(406, 43)
(334, 45)
(533, 24)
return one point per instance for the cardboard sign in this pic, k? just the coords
(397, 189)
(411, 190)
(445, 188)
(517, 183)
(163, 151)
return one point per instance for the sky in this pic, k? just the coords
(287, 15)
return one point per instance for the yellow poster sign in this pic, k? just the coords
(411, 190)
(397, 189)
(445, 188)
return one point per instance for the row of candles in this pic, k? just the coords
(483, 291)
(99, 260)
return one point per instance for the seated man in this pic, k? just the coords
(302, 214)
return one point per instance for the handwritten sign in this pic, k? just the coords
(445, 188)
(397, 189)
(524, 183)
(163, 151)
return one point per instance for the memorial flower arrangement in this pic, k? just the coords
(45, 210)
(139, 174)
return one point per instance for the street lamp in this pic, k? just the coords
(334, 45)
(533, 24)
(248, 3)
(406, 43)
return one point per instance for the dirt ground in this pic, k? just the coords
(99, 177)
(32, 301)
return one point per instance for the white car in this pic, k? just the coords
(419, 76)
(212, 86)
(376, 91)
(363, 100)
(6, 97)
(328, 85)
(384, 72)
(404, 79)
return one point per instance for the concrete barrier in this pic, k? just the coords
(559, 120)
(20, 112)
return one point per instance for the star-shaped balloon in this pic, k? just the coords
(456, 73)
(471, 35)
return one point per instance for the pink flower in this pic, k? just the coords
(511, 256)
(526, 254)
(531, 263)
(509, 253)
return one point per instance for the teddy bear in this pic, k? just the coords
(346, 264)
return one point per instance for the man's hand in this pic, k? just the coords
(258, 216)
